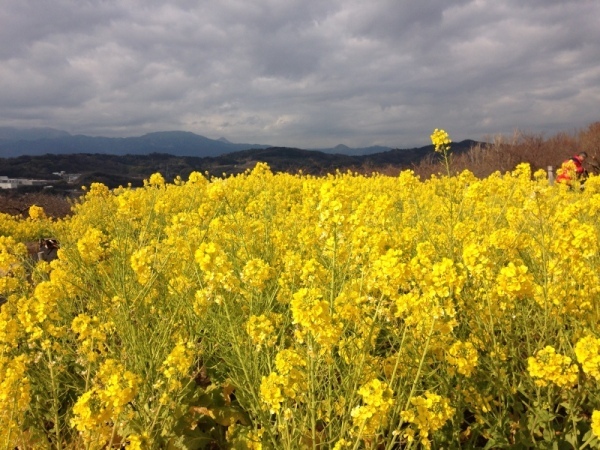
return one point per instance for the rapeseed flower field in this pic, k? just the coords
(278, 311)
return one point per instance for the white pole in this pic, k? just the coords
(550, 175)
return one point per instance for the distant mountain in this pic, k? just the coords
(178, 143)
(114, 170)
(41, 141)
(312, 161)
(407, 157)
(342, 149)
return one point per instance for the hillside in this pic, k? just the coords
(180, 143)
(115, 170)
(16, 142)
(480, 158)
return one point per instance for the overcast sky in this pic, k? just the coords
(301, 73)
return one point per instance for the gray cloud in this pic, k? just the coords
(306, 73)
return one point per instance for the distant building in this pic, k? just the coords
(13, 183)
(68, 177)
(8, 183)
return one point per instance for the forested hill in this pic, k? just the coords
(114, 170)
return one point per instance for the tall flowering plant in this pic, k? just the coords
(278, 311)
(441, 141)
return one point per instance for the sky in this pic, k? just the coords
(301, 73)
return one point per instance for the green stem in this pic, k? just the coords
(155, 418)
(414, 385)
(55, 406)
(313, 419)
(446, 162)
(12, 414)
(249, 382)
(113, 434)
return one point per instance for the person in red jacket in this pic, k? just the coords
(572, 169)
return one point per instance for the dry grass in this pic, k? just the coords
(17, 204)
(504, 154)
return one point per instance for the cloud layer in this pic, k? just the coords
(305, 73)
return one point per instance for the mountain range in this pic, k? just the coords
(40, 141)
(116, 170)
(45, 153)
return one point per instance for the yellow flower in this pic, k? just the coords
(256, 273)
(138, 441)
(97, 190)
(217, 269)
(177, 364)
(271, 391)
(514, 281)
(91, 336)
(463, 356)
(312, 313)
(596, 423)
(156, 180)
(429, 413)
(261, 330)
(15, 396)
(372, 415)
(91, 245)
(587, 350)
(142, 263)
(103, 407)
(196, 178)
(441, 141)
(550, 367)
(36, 212)
(342, 444)
(289, 382)
(290, 364)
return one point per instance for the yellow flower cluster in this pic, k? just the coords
(313, 315)
(596, 423)
(177, 364)
(138, 441)
(141, 263)
(15, 395)
(428, 414)
(99, 411)
(217, 270)
(441, 141)
(514, 282)
(36, 212)
(90, 246)
(328, 304)
(261, 329)
(12, 271)
(288, 382)
(256, 273)
(372, 415)
(156, 180)
(551, 367)
(587, 350)
(463, 356)
(91, 335)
